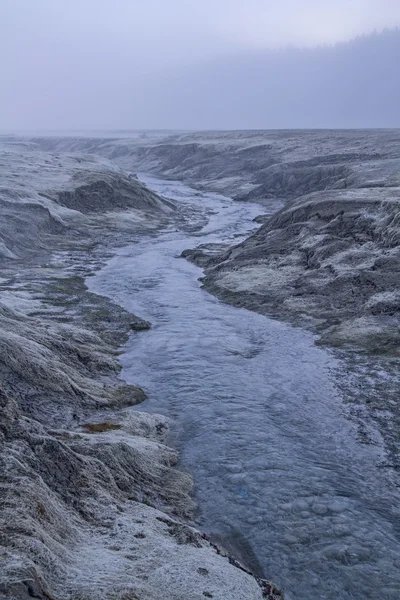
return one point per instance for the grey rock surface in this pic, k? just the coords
(43, 195)
(330, 260)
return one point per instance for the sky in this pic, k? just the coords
(82, 64)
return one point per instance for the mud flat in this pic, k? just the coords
(92, 506)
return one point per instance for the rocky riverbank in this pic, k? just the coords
(326, 256)
(92, 506)
(330, 262)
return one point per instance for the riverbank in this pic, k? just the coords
(327, 253)
(92, 505)
(326, 256)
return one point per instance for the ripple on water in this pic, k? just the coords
(259, 419)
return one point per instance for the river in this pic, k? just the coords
(258, 418)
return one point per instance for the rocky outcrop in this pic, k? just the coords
(330, 261)
(44, 197)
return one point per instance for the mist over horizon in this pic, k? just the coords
(95, 66)
(350, 85)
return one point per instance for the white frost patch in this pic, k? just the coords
(152, 556)
(19, 301)
(258, 279)
(6, 252)
(127, 220)
(356, 258)
(388, 298)
(364, 331)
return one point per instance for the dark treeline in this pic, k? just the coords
(350, 84)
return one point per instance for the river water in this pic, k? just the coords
(258, 419)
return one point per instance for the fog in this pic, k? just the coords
(126, 64)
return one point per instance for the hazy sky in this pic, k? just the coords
(85, 63)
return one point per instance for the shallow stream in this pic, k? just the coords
(258, 419)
